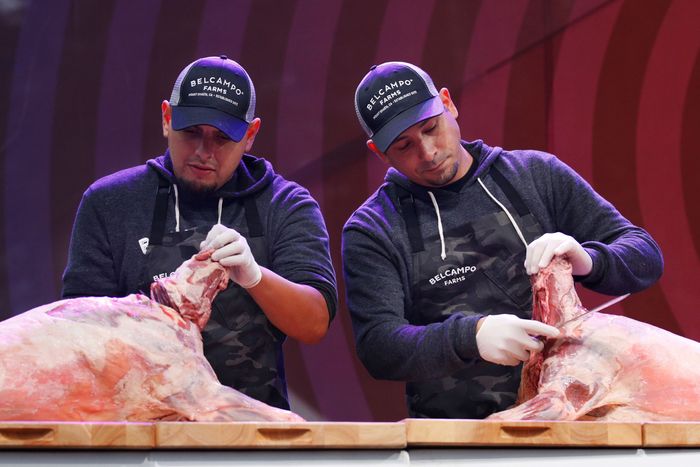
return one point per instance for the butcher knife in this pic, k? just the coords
(605, 305)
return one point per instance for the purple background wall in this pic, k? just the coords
(611, 86)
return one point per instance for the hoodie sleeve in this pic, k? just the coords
(90, 269)
(388, 346)
(625, 257)
(300, 244)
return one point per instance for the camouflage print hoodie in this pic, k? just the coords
(379, 270)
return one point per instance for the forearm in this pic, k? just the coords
(630, 263)
(298, 310)
(625, 258)
(405, 352)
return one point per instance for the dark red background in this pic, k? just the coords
(610, 86)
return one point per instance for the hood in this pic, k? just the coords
(252, 175)
(483, 154)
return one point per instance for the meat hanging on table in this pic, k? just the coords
(603, 367)
(115, 359)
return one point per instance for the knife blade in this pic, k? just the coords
(601, 307)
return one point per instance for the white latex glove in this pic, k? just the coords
(541, 251)
(233, 252)
(508, 340)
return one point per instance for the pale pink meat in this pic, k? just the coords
(131, 358)
(603, 367)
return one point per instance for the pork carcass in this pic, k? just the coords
(130, 358)
(603, 367)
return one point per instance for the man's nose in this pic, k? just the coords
(427, 149)
(206, 147)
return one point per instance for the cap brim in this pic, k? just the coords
(184, 117)
(409, 117)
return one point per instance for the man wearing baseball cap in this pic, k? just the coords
(437, 260)
(207, 192)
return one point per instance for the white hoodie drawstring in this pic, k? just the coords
(177, 209)
(442, 236)
(512, 221)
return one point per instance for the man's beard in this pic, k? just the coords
(447, 176)
(196, 190)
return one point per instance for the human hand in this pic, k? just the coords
(541, 251)
(232, 251)
(508, 340)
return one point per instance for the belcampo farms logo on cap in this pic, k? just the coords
(388, 92)
(218, 85)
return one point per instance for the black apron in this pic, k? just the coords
(483, 273)
(242, 346)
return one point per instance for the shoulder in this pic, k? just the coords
(126, 194)
(281, 187)
(378, 216)
(124, 180)
(527, 159)
(287, 196)
(288, 205)
(120, 195)
(538, 168)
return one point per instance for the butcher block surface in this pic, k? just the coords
(280, 435)
(435, 432)
(671, 434)
(77, 435)
(345, 435)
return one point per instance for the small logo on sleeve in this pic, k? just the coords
(143, 243)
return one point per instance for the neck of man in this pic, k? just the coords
(466, 161)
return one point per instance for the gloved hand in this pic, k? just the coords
(541, 251)
(233, 252)
(508, 340)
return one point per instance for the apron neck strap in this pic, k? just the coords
(252, 217)
(410, 218)
(160, 212)
(507, 188)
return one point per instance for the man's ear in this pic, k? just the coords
(448, 102)
(373, 147)
(166, 117)
(251, 132)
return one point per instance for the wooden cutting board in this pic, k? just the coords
(277, 435)
(77, 435)
(671, 434)
(433, 432)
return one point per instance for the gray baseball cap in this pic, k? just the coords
(392, 97)
(214, 91)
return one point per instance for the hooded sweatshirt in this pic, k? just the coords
(106, 259)
(379, 266)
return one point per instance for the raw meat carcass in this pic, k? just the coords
(603, 367)
(130, 358)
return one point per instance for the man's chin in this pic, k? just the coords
(444, 178)
(196, 187)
